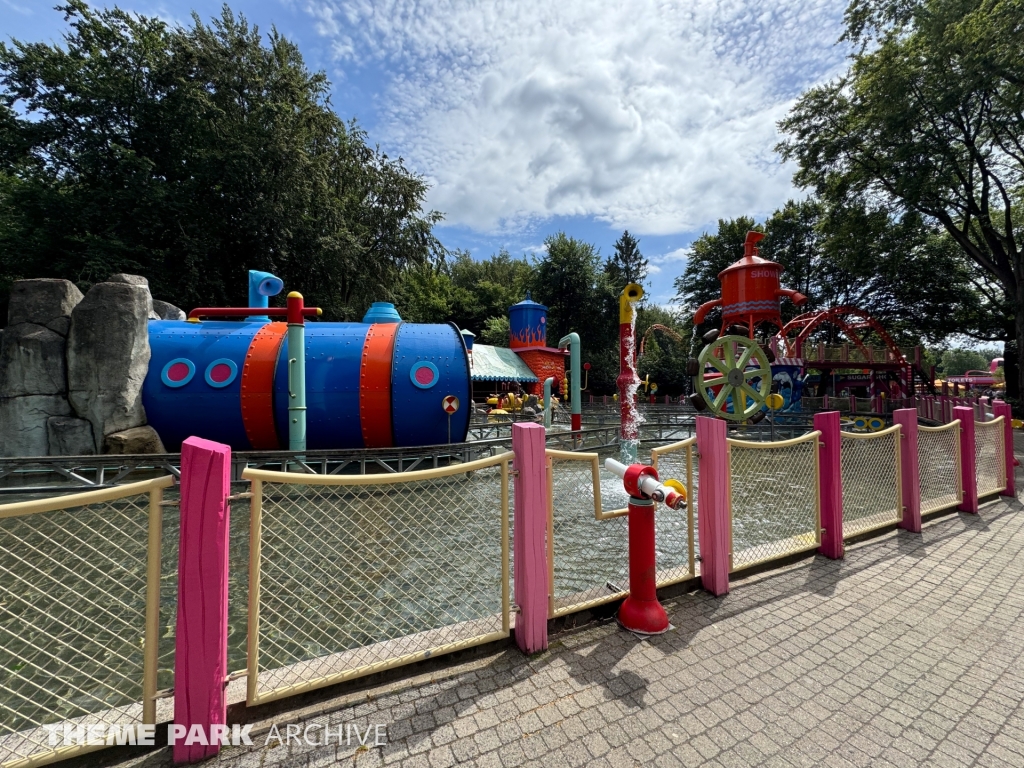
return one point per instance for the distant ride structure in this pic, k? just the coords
(754, 353)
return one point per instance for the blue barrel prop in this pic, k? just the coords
(367, 384)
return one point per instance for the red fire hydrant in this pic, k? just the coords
(641, 612)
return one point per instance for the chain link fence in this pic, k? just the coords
(678, 462)
(813, 404)
(870, 467)
(774, 499)
(79, 615)
(589, 546)
(938, 467)
(354, 575)
(989, 456)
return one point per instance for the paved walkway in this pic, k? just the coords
(908, 652)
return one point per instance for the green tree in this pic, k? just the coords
(568, 279)
(958, 361)
(928, 120)
(425, 294)
(496, 331)
(487, 288)
(626, 264)
(664, 358)
(464, 290)
(191, 155)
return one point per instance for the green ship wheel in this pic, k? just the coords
(740, 368)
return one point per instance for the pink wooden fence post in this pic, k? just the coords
(1004, 410)
(968, 477)
(529, 542)
(911, 486)
(831, 485)
(713, 514)
(201, 636)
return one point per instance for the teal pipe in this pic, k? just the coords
(296, 374)
(575, 376)
(547, 401)
(262, 285)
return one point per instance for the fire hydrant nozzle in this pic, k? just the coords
(642, 481)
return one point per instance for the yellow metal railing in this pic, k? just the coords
(938, 467)
(773, 497)
(989, 457)
(872, 491)
(352, 575)
(588, 545)
(79, 616)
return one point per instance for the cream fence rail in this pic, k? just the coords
(79, 616)
(588, 547)
(938, 467)
(774, 499)
(872, 496)
(351, 575)
(989, 462)
(678, 461)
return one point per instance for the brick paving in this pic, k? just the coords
(908, 652)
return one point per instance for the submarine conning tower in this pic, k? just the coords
(375, 384)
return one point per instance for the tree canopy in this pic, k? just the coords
(627, 264)
(906, 275)
(192, 155)
(929, 121)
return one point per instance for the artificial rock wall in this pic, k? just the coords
(72, 367)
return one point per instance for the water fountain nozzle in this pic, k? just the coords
(641, 481)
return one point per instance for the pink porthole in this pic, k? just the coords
(178, 372)
(221, 372)
(424, 374)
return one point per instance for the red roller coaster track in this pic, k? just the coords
(846, 319)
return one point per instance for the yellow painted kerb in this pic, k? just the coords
(631, 294)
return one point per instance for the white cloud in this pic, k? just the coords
(659, 117)
(23, 10)
(673, 261)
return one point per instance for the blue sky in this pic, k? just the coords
(528, 116)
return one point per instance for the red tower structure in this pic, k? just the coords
(751, 291)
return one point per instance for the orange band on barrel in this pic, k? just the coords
(375, 385)
(258, 386)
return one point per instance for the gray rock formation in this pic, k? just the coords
(33, 366)
(69, 436)
(166, 311)
(23, 423)
(32, 362)
(134, 440)
(120, 277)
(43, 302)
(108, 356)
